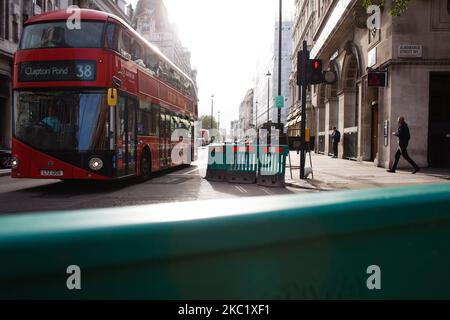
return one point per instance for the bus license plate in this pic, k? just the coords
(52, 173)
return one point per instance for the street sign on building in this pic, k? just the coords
(409, 51)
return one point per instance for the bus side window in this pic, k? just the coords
(125, 44)
(136, 53)
(144, 118)
(155, 121)
(151, 62)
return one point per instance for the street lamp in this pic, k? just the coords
(256, 121)
(280, 35)
(218, 120)
(268, 94)
(212, 110)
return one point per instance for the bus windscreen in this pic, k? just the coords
(56, 34)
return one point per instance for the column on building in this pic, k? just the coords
(348, 98)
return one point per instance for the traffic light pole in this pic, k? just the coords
(302, 92)
(280, 38)
(308, 72)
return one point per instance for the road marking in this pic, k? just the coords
(241, 189)
(190, 171)
(266, 191)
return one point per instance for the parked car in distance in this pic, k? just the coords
(5, 159)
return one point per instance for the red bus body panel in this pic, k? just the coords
(33, 161)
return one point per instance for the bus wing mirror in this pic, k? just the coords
(112, 97)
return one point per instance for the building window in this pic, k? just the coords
(2, 19)
(15, 30)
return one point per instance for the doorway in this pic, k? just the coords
(126, 136)
(164, 139)
(374, 132)
(439, 121)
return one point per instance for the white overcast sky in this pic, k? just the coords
(225, 38)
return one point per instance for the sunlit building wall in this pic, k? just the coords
(246, 111)
(266, 87)
(413, 51)
(152, 22)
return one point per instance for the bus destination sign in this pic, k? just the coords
(71, 70)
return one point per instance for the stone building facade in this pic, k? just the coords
(266, 86)
(246, 120)
(13, 14)
(152, 22)
(414, 52)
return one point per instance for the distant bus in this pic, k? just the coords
(204, 134)
(64, 127)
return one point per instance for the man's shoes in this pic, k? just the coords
(416, 170)
(391, 171)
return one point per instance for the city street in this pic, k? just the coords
(185, 184)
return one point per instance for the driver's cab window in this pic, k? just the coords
(112, 36)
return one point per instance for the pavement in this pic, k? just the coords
(338, 174)
(5, 172)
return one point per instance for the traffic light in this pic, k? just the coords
(314, 73)
(309, 71)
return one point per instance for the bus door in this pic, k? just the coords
(164, 138)
(126, 136)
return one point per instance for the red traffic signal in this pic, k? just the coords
(316, 64)
(314, 71)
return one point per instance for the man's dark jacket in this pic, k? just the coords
(403, 134)
(336, 136)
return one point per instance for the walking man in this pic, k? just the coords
(403, 136)
(336, 136)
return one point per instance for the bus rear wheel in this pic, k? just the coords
(145, 166)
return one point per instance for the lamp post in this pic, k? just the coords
(218, 124)
(212, 110)
(268, 94)
(218, 121)
(256, 120)
(280, 35)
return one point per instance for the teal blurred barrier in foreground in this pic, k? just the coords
(320, 246)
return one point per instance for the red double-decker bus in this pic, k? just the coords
(97, 101)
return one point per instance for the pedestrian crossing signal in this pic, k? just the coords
(376, 79)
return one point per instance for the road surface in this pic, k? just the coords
(185, 184)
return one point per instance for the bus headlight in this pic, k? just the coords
(14, 163)
(96, 164)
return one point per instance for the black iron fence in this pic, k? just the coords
(351, 144)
